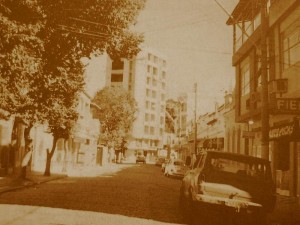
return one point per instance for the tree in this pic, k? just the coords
(60, 123)
(171, 115)
(116, 114)
(42, 43)
(20, 62)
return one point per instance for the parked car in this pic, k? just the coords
(159, 161)
(175, 168)
(140, 159)
(237, 185)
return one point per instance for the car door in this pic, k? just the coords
(189, 182)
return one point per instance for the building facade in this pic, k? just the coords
(145, 76)
(283, 60)
(210, 129)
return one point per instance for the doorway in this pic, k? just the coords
(282, 166)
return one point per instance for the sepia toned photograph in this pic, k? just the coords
(149, 112)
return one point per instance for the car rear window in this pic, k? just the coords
(240, 168)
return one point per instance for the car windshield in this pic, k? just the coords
(253, 169)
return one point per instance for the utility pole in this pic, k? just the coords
(195, 131)
(264, 82)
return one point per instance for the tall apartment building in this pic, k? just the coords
(283, 62)
(145, 77)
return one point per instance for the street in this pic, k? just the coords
(130, 196)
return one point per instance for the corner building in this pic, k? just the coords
(283, 69)
(145, 77)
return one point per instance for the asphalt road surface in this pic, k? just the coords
(139, 194)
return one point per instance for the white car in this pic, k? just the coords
(175, 168)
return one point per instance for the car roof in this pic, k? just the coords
(231, 155)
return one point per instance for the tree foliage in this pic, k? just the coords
(117, 114)
(171, 110)
(42, 42)
(41, 45)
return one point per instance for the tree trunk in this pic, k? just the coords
(28, 148)
(64, 169)
(49, 157)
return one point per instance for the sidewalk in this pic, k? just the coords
(11, 183)
(286, 212)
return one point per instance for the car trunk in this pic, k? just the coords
(234, 186)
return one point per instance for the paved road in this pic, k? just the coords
(136, 195)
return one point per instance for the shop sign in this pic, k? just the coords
(285, 105)
(287, 130)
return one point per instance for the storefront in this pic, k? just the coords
(214, 144)
(285, 142)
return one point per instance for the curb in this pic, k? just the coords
(31, 184)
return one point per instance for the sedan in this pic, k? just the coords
(176, 168)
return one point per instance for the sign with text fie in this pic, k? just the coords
(285, 106)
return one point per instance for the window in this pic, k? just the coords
(146, 130)
(149, 56)
(148, 80)
(117, 78)
(163, 74)
(291, 48)
(164, 63)
(245, 77)
(151, 130)
(147, 104)
(153, 105)
(130, 65)
(162, 119)
(149, 69)
(117, 64)
(146, 117)
(152, 117)
(153, 94)
(163, 86)
(148, 92)
(154, 71)
(154, 82)
(60, 144)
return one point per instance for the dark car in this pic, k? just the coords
(237, 186)
(140, 159)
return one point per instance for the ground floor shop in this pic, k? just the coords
(284, 153)
(285, 157)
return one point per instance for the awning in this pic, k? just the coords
(245, 10)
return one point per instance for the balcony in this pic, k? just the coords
(244, 30)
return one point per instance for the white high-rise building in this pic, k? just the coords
(145, 77)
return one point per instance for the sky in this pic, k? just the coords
(197, 43)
